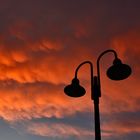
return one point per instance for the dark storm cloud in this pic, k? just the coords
(62, 20)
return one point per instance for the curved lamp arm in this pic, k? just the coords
(98, 64)
(91, 73)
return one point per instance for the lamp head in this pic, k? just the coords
(74, 89)
(118, 71)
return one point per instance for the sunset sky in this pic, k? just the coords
(41, 44)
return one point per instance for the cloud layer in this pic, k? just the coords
(42, 43)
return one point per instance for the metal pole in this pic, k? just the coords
(96, 95)
(97, 120)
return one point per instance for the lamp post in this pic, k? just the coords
(118, 71)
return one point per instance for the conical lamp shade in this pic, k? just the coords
(74, 89)
(118, 71)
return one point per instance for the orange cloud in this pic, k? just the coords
(41, 45)
(28, 101)
(58, 130)
(57, 67)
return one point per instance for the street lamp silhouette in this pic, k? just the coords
(118, 71)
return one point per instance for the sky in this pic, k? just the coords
(41, 44)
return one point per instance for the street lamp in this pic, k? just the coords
(118, 71)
